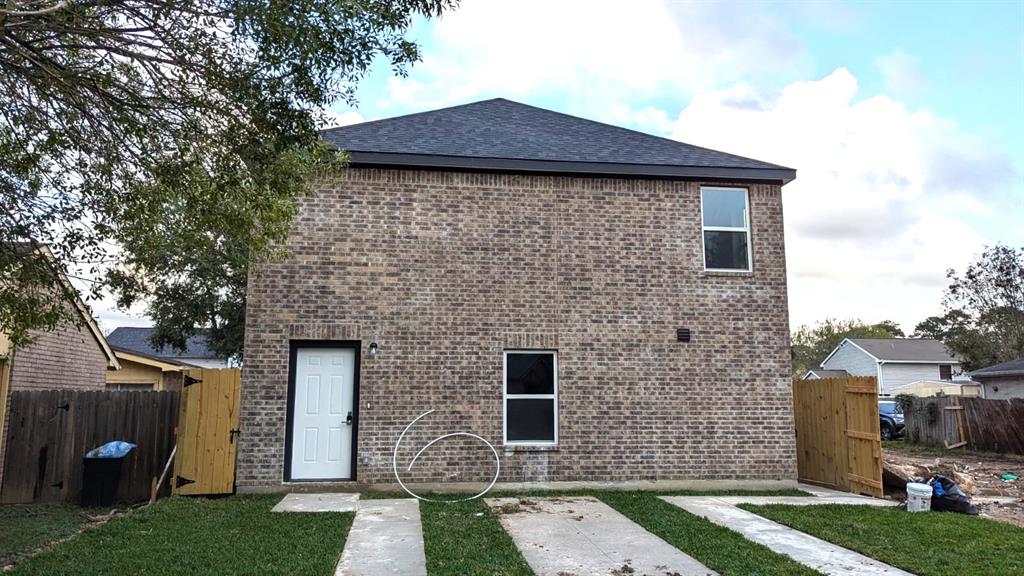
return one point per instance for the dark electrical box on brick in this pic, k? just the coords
(683, 334)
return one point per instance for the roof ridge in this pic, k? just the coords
(411, 114)
(647, 134)
(900, 338)
(631, 131)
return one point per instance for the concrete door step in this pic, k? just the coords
(318, 503)
(583, 536)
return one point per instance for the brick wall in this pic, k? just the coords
(446, 270)
(67, 357)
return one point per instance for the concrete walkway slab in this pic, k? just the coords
(386, 539)
(813, 552)
(586, 537)
(318, 503)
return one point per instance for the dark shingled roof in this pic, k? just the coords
(503, 135)
(137, 340)
(906, 350)
(1011, 368)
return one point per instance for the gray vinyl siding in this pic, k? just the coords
(1008, 387)
(898, 374)
(852, 359)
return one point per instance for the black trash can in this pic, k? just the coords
(100, 479)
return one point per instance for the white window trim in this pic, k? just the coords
(505, 396)
(745, 229)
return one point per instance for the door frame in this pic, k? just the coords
(293, 351)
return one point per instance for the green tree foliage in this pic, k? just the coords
(811, 344)
(983, 321)
(159, 146)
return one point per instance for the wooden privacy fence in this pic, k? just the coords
(837, 434)
(977, 423)
(51, 430)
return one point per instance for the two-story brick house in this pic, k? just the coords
(601, 305)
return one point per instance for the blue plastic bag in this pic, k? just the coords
(115, 449)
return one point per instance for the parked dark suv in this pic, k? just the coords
(890, 416)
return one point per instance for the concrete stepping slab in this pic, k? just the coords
(318, 503)
(813, 552)
(795, 500)
(386, 539)
(585, 537)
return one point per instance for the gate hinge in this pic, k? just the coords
(180, 481)
(232, 434)
(190, 381)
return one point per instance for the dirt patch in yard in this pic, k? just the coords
(977, 474)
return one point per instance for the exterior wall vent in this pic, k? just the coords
(683, 334)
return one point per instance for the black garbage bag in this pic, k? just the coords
(948, 497)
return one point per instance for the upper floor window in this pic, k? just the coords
(726, 221)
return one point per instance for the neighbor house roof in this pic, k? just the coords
(501, 135)
(822, 373)
(164, 364)
(131, 339)
(905, 350)
(74, 297)
(1011, 368)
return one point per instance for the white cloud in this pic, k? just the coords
(874, 217)
(591, 53)
(344, 118)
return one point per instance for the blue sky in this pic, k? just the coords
(905, 120)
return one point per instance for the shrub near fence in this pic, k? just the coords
(51, 430)
(988, 425)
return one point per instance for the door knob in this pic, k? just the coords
(348, 419)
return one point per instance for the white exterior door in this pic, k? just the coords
(322, 414)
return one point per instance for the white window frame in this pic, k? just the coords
(745, 229)
(505, 396)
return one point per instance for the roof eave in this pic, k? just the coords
(425, 161)
(999, 373)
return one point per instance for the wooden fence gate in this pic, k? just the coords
(207, 432)
(837, 434)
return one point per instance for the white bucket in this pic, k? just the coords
(919, 497)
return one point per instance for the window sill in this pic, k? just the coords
(509, 448)
(725, 274)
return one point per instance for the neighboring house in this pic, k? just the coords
(819, 373)
(894, 361)
(598, 303)
(137, 340)
(1004, 380)
(144, 372)
(928, 388)
(74, 355)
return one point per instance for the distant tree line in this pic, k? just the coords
(982, 321)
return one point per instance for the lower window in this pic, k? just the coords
(531, 402)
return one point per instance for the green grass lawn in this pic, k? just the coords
(239, 535)
(176, 536)
(928, 544)
(28, 527)
(467, 539)
(717, 547)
